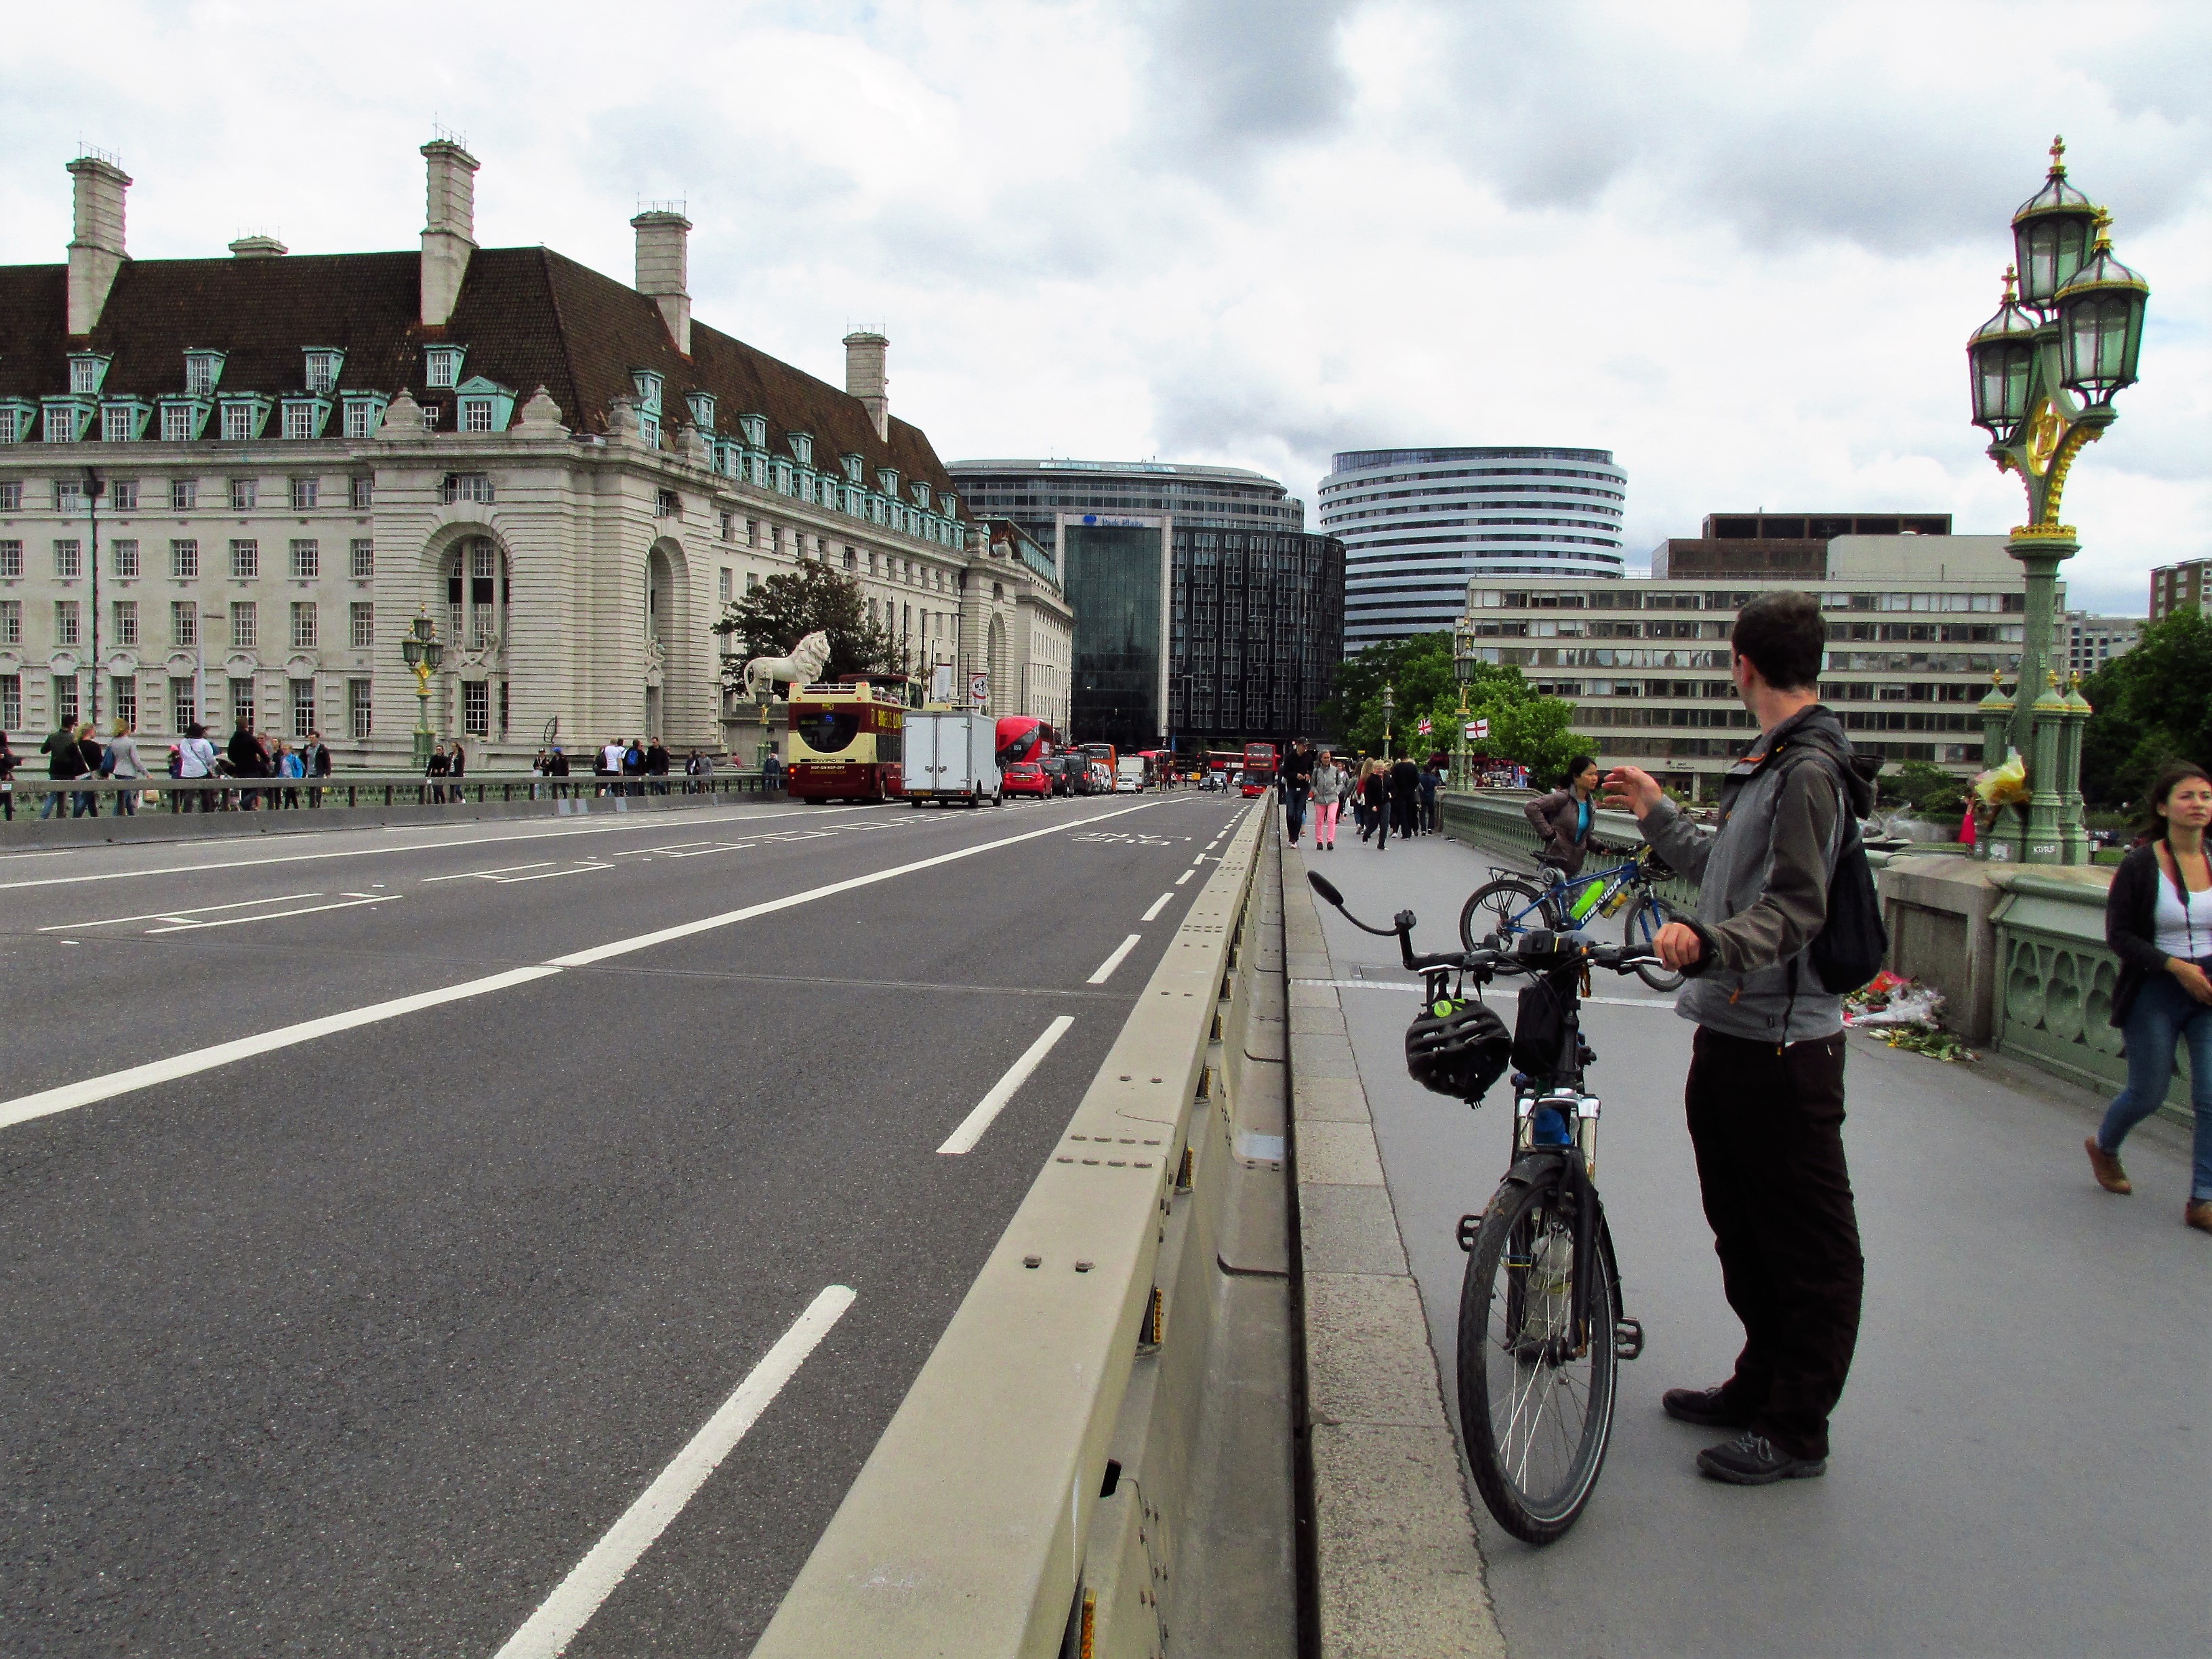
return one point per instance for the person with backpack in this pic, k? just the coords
(1785, 920)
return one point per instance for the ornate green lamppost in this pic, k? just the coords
(423, 652)
(1387, 705)
(2042, 371)
(1462, 671)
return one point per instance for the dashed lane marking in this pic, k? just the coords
(964, 1139)
(175, 916)
(1158, 905)
(1105, 969)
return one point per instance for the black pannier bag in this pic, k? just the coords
(1540, 1030)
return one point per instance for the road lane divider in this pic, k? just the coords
(1185, 877)
(964, 1139)
(548, 1631)
(175, 914)
(1105, 969)
(68, 1096)
(276, 915)
(1158, 905)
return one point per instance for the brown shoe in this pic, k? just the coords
(2198, 1214)
(2106, 1167)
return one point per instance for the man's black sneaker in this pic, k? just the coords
(1707, 1407)
(1752, 1460)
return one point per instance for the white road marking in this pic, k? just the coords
(1158, 905)
(964, 1139)
(417, 846)
(548, 1631)
(68, 1096)
(170, 916)
(470, 875)
(1105, 970)
(549, 875)
(1185, 877)
(273, 915)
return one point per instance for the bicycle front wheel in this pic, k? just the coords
(1506, 908)
(1535, 1395)
(1644, 920)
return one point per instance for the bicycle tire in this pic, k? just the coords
(1492, 897)
(1522, 1233)
(1639, 927)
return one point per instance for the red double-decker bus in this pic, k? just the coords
(1024, 738)
(1259, 767)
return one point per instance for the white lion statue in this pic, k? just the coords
(802, 667)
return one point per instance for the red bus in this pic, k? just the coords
(848, 741)
(1259, 763)
(1023, 738)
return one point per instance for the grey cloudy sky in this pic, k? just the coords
(1740, 245)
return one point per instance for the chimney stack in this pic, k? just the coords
(449, 236)
(864, 378)
(664, 265)
(257, 245)
(96, 251)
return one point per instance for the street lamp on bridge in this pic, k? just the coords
(1463, 670)
(1387, 705)
(423, 654)
(2043, 373)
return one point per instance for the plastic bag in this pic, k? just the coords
(2004, 785)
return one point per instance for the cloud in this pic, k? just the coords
(1229, 76)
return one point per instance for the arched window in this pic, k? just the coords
(475, 594)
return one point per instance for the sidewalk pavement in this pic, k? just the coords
(2020, 1460)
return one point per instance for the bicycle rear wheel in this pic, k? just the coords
(1646, 919)
(1536, 1404)
(1506, 908)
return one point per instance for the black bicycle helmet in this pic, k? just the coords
(1458, 1048)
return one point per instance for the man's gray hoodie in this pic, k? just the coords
(1763, 879)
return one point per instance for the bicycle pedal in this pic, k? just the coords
(1627, 1337)
(1469, 1225)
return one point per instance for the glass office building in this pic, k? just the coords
(1033, 494)
(1257, 634)
(1116, 577)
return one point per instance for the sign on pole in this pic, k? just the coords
(940, 682)
(978, 688)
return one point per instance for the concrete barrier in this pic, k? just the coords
(1027, 1496)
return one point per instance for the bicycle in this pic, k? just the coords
(1509, 905)
(1542, 1330)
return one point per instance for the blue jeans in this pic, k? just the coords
(1294, 809)
(2164, 1017)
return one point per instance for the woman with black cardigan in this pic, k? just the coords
(2158, 920)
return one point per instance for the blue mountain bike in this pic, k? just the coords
(1509, 906)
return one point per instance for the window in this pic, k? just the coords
(200, 374)
(442, 365)
(11, 701)
(357, 706)
(184, 621)
(723, 581)
(303, 707)
(360, 494)
(241, 702)
(648, 433)
(307, 559)
(431, 413)
(361, 621)
(182, 713)
(11, 559)
(476, 415)
(11, 625)
(475, 708)
(364, 558)
(118, 423)
(467, 486)
(752, 581)
(68, 496)
(299, 420)
(122, 495)
(323, 370)
(184, 559)
(184, 495)
(66, 623)
(360, 418)
(84, 374)
(176, 423)
(303, 626)
(729, 526)
(11, 496)
(306, 493)
(237, 423)
(61, 420)
(65, 702)
(69, 560)
(245, 624)
(122, 697)
(666, 505)
(245, 495)
(124, 615)
(126, 554)
(12, 426)
(245, 560)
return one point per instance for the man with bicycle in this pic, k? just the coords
(1766, 1089)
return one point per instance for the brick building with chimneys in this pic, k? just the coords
(295, 454)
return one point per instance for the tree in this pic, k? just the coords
(810, 598)
(1535, 731)
(1927, 788)
(2153, 705)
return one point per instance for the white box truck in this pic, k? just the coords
(951, 756)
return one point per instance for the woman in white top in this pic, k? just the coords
(196, 759)
(2158, 920)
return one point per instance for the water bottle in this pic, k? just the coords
(1547, 1127)
(1586, 901)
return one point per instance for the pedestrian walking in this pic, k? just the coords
(315, 761)
(2158, 921)
(772, 772)
(1562, 819)
(457, 765)
(1764, 1096)
(196, 758)
(1375, 791)
(1328, 788)
(85, 803)
(437, 767)
(1297, 788)
(633, 767)
(289, 765)
(656, 765)
(63, 764)
(557, 766)
(248, 759)
(1405, 796)
(1432, 781)
(121, 760)
(9, 760)
(610, 763)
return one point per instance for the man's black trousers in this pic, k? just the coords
(1768, 1127)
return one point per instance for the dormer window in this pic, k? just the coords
(921, 496)
(703, 410)
(755, 427)
(324, 363)
(441, 366)
(648, 389)
(364, 413)
(484, 405)
(853, 465)
(202, 372)
(887, 480)
(802, 448)
(86, 370)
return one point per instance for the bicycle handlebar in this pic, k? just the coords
(1537, 950)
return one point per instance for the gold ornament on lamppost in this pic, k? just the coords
(422, 652)
(2042, 371)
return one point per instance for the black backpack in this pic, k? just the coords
(1852, 943)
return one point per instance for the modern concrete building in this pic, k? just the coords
(1419, 524)
(1918, 624)
(298, 453)
(2181, 586)
(1033, 494)
(2091, 641)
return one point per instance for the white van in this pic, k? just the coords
(951, 756)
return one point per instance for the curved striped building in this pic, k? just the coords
(1417, 524)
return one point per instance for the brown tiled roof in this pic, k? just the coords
(528, 316)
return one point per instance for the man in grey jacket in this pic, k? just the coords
(1766, 1089)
